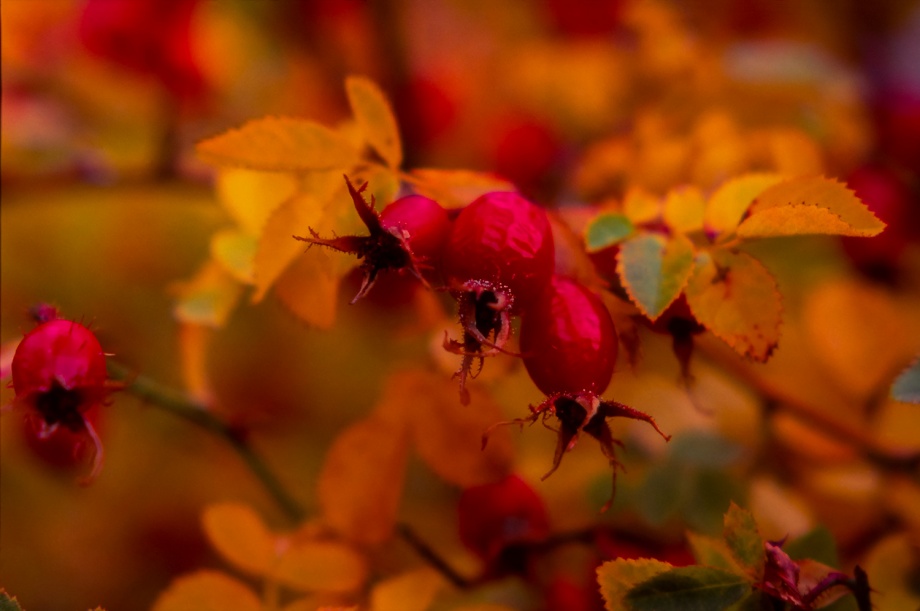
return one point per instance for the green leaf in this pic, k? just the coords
(906, 387)
(607, 229)
(375, 117)
(321, 566)
(733, 295)
(691, 588)
(728, 204)
(617, 577)
(7, 603)
(817, 544)
(704, 449)
(654, 270)
(809, 205)
(237, 532)
(710, 551)
(207, 591)
(279, 144)
(744, 540)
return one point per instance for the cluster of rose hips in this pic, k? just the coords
(496, 258)
(60, 381)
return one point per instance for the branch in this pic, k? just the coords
(180, 405)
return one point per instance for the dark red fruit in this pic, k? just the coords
(499, 258)
(569, 346)
(568, 340)
(409, 234)
(526, 151)
(585, 18)
(59, 374)
(61, 449)
(494, 518)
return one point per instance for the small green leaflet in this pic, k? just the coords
(607, 229)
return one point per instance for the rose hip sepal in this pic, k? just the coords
(569, 346)
(499, 258)
(58, 374)
(408, 234)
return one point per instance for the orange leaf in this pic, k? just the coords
(456, 188)
(728, 204)
(412, 591)
(447, 434)
(237, 532)
(733, 295)
(279, 144)
(250, 197)
(309, 290)
(640, 206)
(361, 482)
(207, 591)
(208, 298)
(321, 566)
(809, 205)
(683, 209)
(277, 247)
(373, 113)
(235, 251)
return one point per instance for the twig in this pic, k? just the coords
(179, 405)
(431, 557)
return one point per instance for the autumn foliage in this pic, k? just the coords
(337, 288)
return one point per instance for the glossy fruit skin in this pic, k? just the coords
(496, 515)
(503, 239)
(568, 340)
(424, 221)
(59, 370)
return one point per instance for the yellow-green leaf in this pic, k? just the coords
(683, 209)
(235, 250)
(373, 113)
(277, 247)
(207, 591)
(641, 206)
(733, 295)
(744, 540)
(607, 229)
(279, 144)
(456, 188)
(250, 197)
(208, 298)
(361, 481)
(728, 204)
(321, 566)
(654, 269)
(412, 591)
(309, 288)
(809, 205)
(617, 577)
(237, 532)
(448, 434)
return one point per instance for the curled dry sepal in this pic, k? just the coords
(741, 570)
(58, 373)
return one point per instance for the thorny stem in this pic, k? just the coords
(180, 405)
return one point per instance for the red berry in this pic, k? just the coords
(409, 234)
(62, 448)
(59, 373)
(499, 258)
(568, 340)
(501, 514)
(526, 151)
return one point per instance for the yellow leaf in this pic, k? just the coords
(373, 113)
(277, 247)
(309, 289)
(733, 295)
(447, 434)
(208, 298)
(235, 250)
(728, 204)
(361, 482)
(194, 340)
(683, 209)
(250, 197)
(456, 188)
(809, 205)
(616, 577)
(412, 591)
(321, 566)
(279, 144)
(207, 591)
(654, 269)
(237, 532)
(640, 206)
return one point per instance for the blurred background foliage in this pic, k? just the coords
(105, 207)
